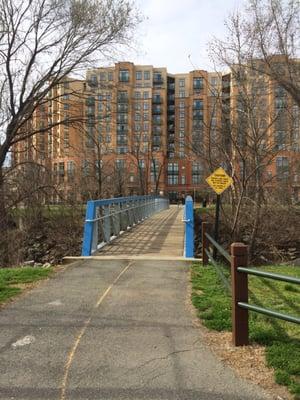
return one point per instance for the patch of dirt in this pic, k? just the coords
(248, 362)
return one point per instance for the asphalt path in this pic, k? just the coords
(111, 330)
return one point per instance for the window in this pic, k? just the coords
(146, 117)
(93, 82)
(61, 169)
(146, 75)
(90, 137)
(70, 167)
(137, 117)
(124, 75)
(137, 95)
(146, 127)
(110, 76)
(137, 127)
(181, 83)
(280, 102)
(122, 118)
(173, 168)
(66, 139)
(120, 164)
(138, 75)
(198, 83)
(197, 172)
(280, 140)
(181, 93)
(146, 95)
(121, 139)
(122, 96)
(157, 99)
(157, 78)
(102, 76)
(85, 168)
(181, 123)
(213, 81)
(142, 164)
(183, 180)
(282, 167)
(157, 119)
(146, 106)
(181, 104)
(279, 91)
(172, 180)
(122, 149)
(198, 104)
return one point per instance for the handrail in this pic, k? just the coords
(221, 275)
(118, 212)
(116, 216)
(219, 247)
(268, 312)
(239, 285)
(270, 275)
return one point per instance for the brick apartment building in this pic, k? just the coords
(136, 129)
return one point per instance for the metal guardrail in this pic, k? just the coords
(239, 285)
(107, 219)
(266, 311)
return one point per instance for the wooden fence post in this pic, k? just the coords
(239, 287)
(205, 243)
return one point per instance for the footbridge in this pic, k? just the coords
(138, 226)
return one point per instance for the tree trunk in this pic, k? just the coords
(4, 226)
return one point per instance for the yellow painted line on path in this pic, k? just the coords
(81, 333)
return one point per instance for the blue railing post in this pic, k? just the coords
(189, 228)
(88, 229)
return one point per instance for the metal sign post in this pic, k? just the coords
(218, 181)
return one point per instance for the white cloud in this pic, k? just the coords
(176, 29)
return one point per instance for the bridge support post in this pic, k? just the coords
(88, 229)
(189, 228)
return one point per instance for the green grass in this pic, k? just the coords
(282, 339)
(14, 276)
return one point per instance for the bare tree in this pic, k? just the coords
(43, 41)
(265, 37)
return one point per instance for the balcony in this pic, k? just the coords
(123, 108)
(171, 118)
(156, 110)
(123, 99)
(158, 80)
(156, 121)
(198, 115)
(121, 131)
(121, 142)
(157, 100)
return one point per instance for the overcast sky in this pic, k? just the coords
(175, 33)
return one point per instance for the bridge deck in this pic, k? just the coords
(161, 235)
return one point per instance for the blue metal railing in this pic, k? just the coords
(107, 219)
(188, 219)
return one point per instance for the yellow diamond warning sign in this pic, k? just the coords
(219, 180)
